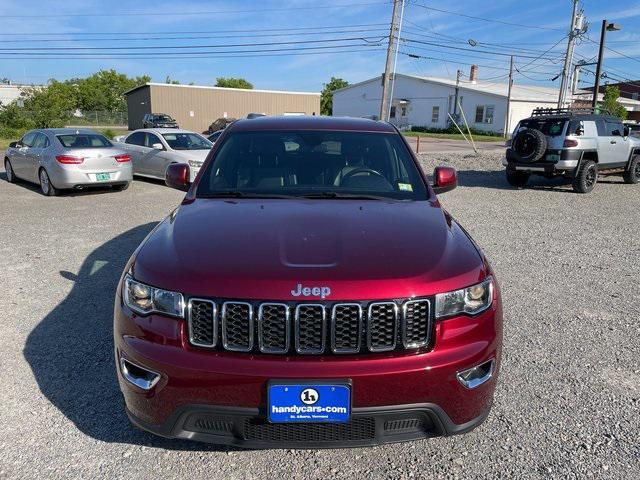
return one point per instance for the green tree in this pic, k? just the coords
(171, 82)
(231, 82)
(104, 90)
(326, 97)
(610, 102)
(51, 106)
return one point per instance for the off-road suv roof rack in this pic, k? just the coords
(569, 111)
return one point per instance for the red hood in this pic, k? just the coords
(262, 249)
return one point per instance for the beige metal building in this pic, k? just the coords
(196, 107)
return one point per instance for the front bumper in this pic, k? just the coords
(247, 427)
(221, 397)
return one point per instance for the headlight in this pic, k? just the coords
(195, 163)
(470, 300)
(144, 299)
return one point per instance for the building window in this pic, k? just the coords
(435, 114)
(634, 95)
(484, 114)
(404, 111)
(392, 114)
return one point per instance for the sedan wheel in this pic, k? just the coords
(45, 184)
(11, 177)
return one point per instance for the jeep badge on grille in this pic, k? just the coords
(322, 292)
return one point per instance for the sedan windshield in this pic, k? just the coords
(313, 164)
(84, 140)
(187, 141)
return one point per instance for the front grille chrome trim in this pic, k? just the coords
(383, 348)
(308, 351)
(225, 340)
(405, 342)
(334, 348)
(287, 339)
(214, 306)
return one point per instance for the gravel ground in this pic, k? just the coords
(568, 398)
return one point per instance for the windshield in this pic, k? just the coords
(163, 118)
(84, 140)
(551, 128)
(324, 164)
(187, 141)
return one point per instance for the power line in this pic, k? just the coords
(193, 13)
(191, 32)
(491, 20)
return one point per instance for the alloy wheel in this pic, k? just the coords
(591, 177)
(44, 182)
(9, 170)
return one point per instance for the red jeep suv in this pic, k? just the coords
(309, 291)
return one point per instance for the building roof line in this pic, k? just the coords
(154, 84)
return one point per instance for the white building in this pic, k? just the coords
(10, 93)
(428, 101)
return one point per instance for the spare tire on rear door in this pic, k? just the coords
(528, 145)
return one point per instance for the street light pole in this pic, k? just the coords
(606, 27)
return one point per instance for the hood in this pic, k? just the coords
(271, 249)
(200, 155)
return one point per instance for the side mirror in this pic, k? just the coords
(444, 179)
(178, 176)
(626, 131)
(14, 145)
(157, 146)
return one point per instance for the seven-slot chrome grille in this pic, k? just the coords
(309, 328)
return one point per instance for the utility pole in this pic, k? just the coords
(508, 113)
(606, 27)
(384, 104)
(568, 59)
(455, 101)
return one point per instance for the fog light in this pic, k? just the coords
(476, 376)
(138, 376)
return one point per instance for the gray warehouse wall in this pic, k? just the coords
(138, 104)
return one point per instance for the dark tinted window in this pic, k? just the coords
(28, 139)
(84, 140)
(576, 127)
(187, 141)
(602, 129)
(551, 128)
(162, 118)
(151, 139)
(614, 129)
(41, 141)
(214, 136)
(314, 163)
(136, 138)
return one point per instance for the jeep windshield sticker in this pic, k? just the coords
(406, 187)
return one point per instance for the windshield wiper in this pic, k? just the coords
(350, 196)
(238, 194)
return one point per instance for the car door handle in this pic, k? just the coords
(613, 142)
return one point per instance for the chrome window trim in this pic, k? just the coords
(261, 347)
(333, 329)
(395, 328)
(297, 329)
(215, 323)
(223, 323)
(424, 343)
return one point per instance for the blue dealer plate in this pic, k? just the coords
(309, 403)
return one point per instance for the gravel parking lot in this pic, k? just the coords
(568, 400)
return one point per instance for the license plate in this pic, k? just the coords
(308, 403)
(101, 177)
(553, 157)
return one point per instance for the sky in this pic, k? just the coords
(304, 43)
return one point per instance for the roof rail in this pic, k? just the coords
(570, 111)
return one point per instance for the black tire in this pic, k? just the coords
(122, 187)
(46, 187)
(517, 179)
(632, 173)
(11, 176)
(586, 177)
(529, 145)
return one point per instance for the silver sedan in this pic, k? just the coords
(60, 158)
(152, 150)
